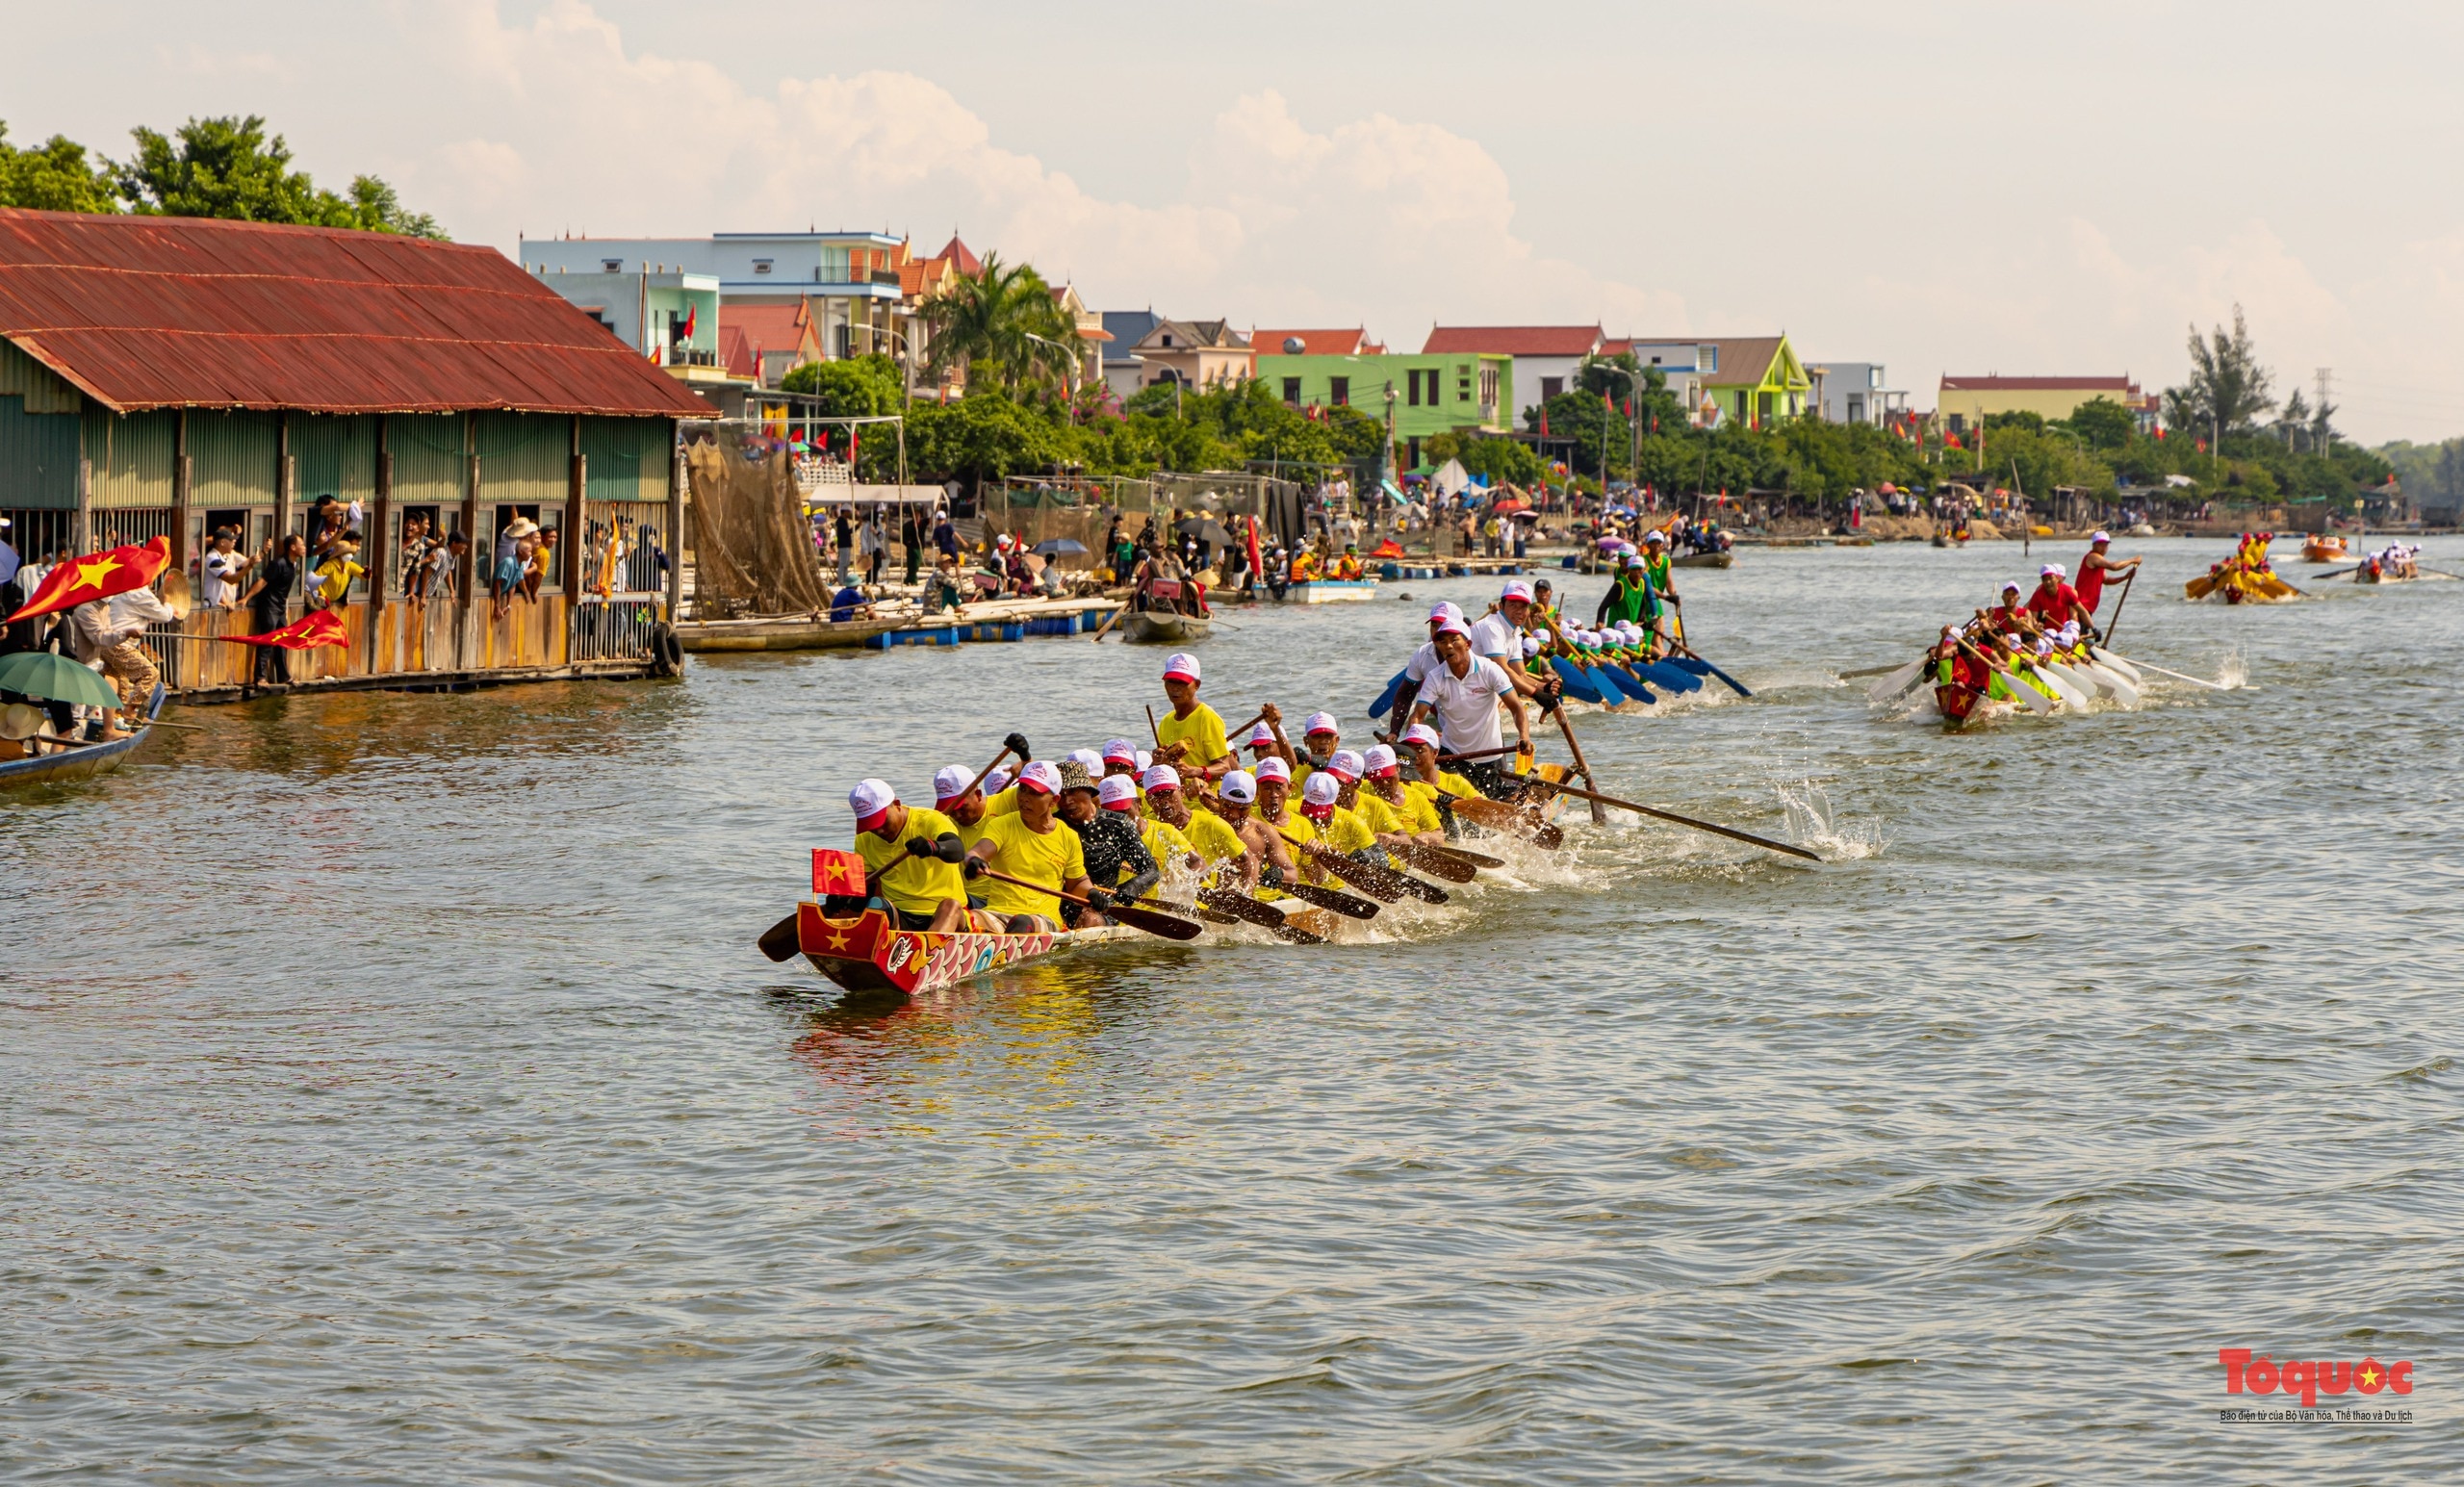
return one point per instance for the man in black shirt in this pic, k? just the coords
(269, 601)
(1109, 840)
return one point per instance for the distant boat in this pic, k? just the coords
(83, 762)
(1163, 626)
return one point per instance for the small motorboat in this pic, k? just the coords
(2325, 549)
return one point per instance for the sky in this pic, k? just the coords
(1939, 188)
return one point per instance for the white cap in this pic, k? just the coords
(1181, 667)
(997, 781)
(1422, 732)
(1144, 759)
(1041, 776)
(950, 782)
(1347, 763)
(1238, 787)
(1275, 768)
(1117, 792)
(1531, 646)
(2011, 588)
(1162, 777)
(2070, 633)
(1654, 535)
(869, 800)
(1515, 588)
(1453, 628)
(1379, 759)
(1636, 559)
(2098, 537)
(1319, 723)
(2051, 570)
(1094, 761)
(2044, 646)
(1445, 609)
(1321, 789)
(1262, 737)
(1119, 750)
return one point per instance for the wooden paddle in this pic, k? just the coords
(1135, 918)
(1599, 817)
(1435, 859)
(1459, 855)
(1504, 819)
(1748, 838)
(1378, 882)
(1237, 907)
(1341, 902)
(1114, 618)
(2212, 686)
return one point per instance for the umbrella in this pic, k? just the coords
(1205, 529)
(1059, 547)
(1510, 504)
(54, 678)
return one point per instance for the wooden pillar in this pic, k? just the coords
(474, 563)
(675, 528)
(81, 530)
(379, 546)
(180, 493)
(577, 489)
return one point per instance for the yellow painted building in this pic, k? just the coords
(1963, 402)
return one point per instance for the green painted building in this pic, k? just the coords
(1427, 394)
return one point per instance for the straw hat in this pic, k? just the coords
(20, 720)
(522, 527)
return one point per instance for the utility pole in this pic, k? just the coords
(2324, 375)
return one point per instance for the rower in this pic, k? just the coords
(1114, 850)
(1194, 726)
(1386, 827)
(2010, 616)
(1265, 861)
(1274, 810)
(922, 893)
(1463, 695)
(2095, 566)
(1629, 596)
(1658, 574)
(1320, 737)
(1424, 661)
(1498, 636)
(2055, 602)
(1032, 844)
(1118, 756)
(1416, 812)
(1266, 740)
(1336, 827)
(1206, 834)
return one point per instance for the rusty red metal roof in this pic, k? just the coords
(164, 312)
(1512, 339)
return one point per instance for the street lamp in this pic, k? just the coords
(1069, 358)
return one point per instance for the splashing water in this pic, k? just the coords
(1813, 823)
(2233, 672)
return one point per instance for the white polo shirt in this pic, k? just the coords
(1467, 705)
(1495, 636)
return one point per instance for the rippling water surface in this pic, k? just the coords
(392, 1091)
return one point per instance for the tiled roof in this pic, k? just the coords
(1514, 340)
(1314, 343)
(153, 312)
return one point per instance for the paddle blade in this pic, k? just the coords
(1328, 898)
(1436, 859)
(1896, 682)
(779, 941)
(1386, 698)
(1154, 923)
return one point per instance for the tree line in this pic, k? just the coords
(221, 167)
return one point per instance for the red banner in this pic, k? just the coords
(837, 871)
(315, 628)
(84, 579)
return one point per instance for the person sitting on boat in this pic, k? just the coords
(1190, 737)
(1212, 839)
(1033, 845)
(1348, 567)
(2055, 602)
(1335, 828)
(1416, 809)
(1118, 796)
(2009, 617)
(1631, 597)
(1304, 566)
(1320, 737)
(923, 889)
(1265, 861)
(1118, 756)
(1266, 741)
(1109, 844)
(1387, 826)
(2096, 567)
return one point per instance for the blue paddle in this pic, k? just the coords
(1579, 686)
(1703, 668)
(1386, 698)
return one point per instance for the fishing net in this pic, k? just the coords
(753, 549)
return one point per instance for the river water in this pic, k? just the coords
(391, 1090)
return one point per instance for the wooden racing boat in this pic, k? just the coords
(1703, 560)
(84, 762)
(871, 953)
(1958, 703)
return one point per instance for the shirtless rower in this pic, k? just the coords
(923, 892)
(1031, 843)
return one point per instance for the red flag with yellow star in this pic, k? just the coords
(82, 579)
(837, 871)
(317, 628)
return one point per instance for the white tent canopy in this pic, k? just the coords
(1451, 478)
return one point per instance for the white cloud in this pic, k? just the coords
(1377, 219)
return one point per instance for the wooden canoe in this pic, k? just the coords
(871, 953)
(1163, 627)
(83, 762)
(1703, 560)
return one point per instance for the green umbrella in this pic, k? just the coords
(55, 677)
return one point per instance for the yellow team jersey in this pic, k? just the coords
(1050, 858)
(1004, 804)
(915, 884)
(1299, 827)
(1417, 811)
(1202, 730)
(1345, 832)
(1375, 815)
(1213, 838)
(1165, 844)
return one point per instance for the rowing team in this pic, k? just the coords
(2246, 575)
(2398, 560)
(2036, 654)
(1060, 844)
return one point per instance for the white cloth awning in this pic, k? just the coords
(876, 495)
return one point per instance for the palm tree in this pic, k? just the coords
(1005, 321)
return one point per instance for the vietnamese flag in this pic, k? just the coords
(1544, 422)
(692, 317)
(83, 580)
(1257, 564)
(317, 628)
(837, 871)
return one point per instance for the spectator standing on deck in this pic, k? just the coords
(269, 601)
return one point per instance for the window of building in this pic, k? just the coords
(1856, 410)
(1551, 387)
(1959, 423)
(1168, 338)
(1762, 406)
(1488, 387)
(761, 265)
(1462, 382)
(1707, 358)
(1291, 390)
(1339, 391)
(612, 266)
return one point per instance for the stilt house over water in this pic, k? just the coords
(172, 376)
